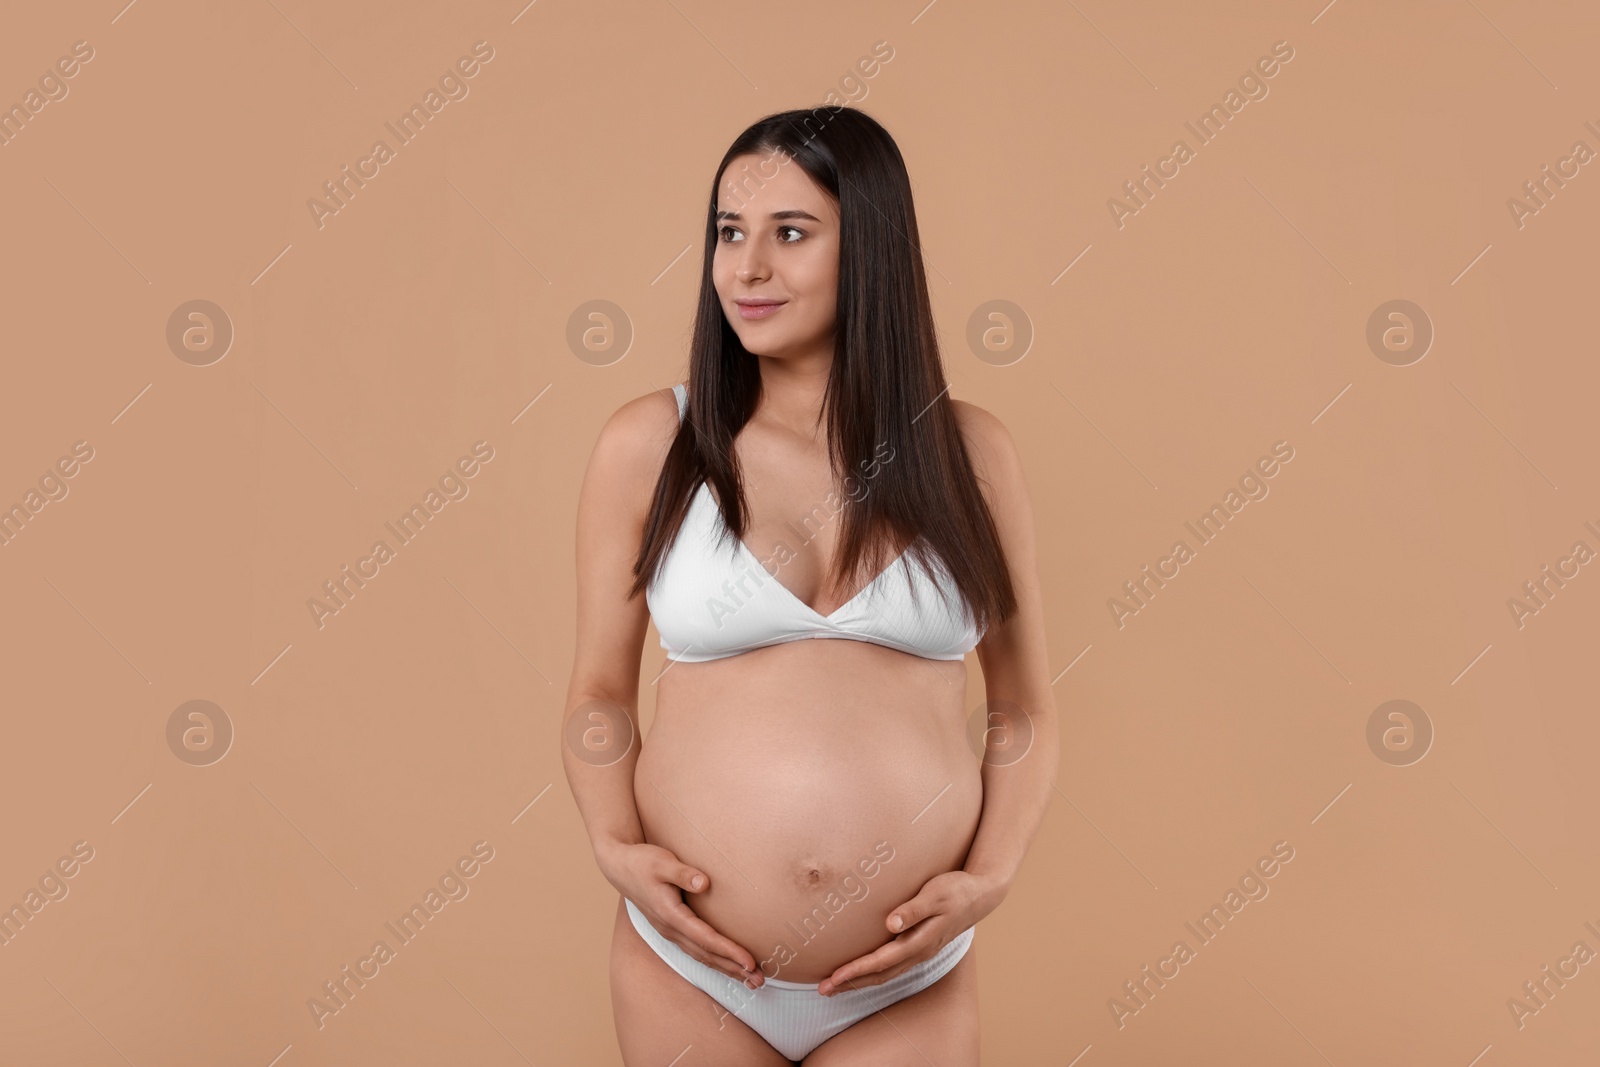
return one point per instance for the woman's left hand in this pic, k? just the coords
(947, 904)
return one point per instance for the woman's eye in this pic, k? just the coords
(729, 235)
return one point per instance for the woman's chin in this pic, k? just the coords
(762, 346)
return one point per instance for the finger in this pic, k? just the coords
(686, 877)
(860, 970)
(678, 923)
(869, 980)
(693, 928)
(675, 922)
(720, 964)
(910, 914)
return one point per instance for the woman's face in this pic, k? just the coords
(777, 241)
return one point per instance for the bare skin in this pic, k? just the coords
(659, 1015)
(774, 778)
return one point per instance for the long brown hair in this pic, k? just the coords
(886, 383)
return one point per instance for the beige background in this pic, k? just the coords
(369, 354)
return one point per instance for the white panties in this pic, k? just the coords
(792, 1016)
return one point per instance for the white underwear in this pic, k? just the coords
(792, 1016)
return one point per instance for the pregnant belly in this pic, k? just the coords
(819, 784)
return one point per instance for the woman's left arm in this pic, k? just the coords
(1021, 739)
(1021, 747)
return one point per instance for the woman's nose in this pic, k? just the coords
(752, 264)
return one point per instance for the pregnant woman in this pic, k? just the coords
(805, 841)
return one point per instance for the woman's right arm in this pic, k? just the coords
(600, 736)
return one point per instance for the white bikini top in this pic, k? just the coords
(711, 600)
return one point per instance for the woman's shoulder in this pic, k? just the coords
(643, 422)
(633, 443)
(988, 442)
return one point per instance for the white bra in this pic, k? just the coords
(710, 601)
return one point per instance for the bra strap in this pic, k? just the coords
(683, 399)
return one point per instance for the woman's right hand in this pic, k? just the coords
(651, 877)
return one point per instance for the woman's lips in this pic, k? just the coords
(759, 311)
